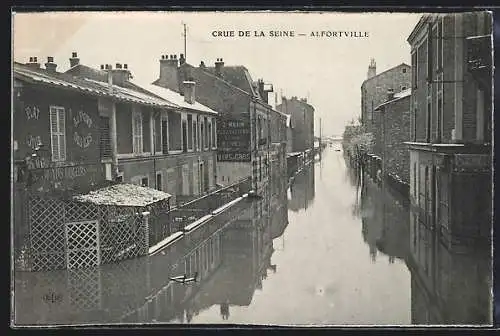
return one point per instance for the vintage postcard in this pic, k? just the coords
(251, 168)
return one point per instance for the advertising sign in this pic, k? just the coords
(233, 139)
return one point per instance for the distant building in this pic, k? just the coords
(394, 118)
(302, 122)
(374, 92)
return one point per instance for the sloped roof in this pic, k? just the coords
(237, 75)
(123, 194)
(25, 72)
(173, 97)
(86, 85)
(384, 72)
(397, 96)
(134, 95)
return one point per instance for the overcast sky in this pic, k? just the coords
(329, 71)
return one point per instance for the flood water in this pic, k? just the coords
(328, 249)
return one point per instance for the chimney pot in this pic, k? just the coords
(31, 60)
(175, 56)
(162, 57)
(102, 66)
(50, 59)
(35, 59)
(118, 66)
(171, 56)
(74, 54)
(125, 66)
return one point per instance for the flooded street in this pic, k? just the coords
(327, 250)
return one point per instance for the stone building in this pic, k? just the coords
(394, 118)
(302, 122)
(450, 138)
(243, 134)
(170, 148)
(374, 92)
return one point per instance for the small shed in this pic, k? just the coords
(102, 226)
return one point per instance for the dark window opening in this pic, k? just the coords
(145, 182)
(184, 136)
(404, 70)
(190, 131)
(159, 182)
(428, 129)
(164, 131)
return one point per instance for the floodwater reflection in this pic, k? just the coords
(333, 248)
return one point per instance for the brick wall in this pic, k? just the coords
(395, 132)
(374, 91)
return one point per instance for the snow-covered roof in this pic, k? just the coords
(397, 96)
(123, 194)
(133, 95)
(172, 97)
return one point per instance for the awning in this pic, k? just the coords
(123, 194)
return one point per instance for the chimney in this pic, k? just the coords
(202, 65)
(120, 74)
(390, 94)
(169, 69)
(33, 63)
(189, 91)
(74, 60)
(50, 65)
(263, 90)
(304, 100)
(182, 60)
(218, 67)
(372, 69)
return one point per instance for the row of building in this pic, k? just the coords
(432, 123)
(100, 136)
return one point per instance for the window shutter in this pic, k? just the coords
(62, 134)
(53, 134)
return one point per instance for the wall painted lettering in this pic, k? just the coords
(33, 141)
(32, 112)
(82, 140)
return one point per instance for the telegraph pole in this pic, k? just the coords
(185, 41)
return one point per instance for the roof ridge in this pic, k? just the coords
(394, 67)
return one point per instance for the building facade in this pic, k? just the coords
(374, 92)
(394, 118)
(450, 138)
(243, 134)
(170, 147)
(302, 120)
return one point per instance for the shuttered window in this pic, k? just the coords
(58, 133)
(105, 139)
(137, 132)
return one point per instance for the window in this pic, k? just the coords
(146, 131)
(403, 87)
(415, 68)
(58, 133)
(190, 131)
(415, 180)
(404, 70)
(159, 181)
(164, 132)
(439, 117)
(206, 137)
(214, 133)
(210, 136)
(439, 48)
(145, 182)
(428, 122)
(137, 132)
(195, 135)
(105, 139)
(157, 129)
(184, 136)
(202, 135)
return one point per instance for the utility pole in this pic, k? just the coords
(185, 41)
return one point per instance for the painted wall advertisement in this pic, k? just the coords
(233, 140)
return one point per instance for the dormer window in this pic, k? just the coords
(404, 70)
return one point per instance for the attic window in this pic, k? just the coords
(404, 70)
(403, 88)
